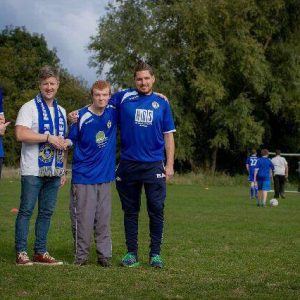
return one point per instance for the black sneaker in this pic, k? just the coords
(80, 263)
(104, 262)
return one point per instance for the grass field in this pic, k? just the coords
(217, 244)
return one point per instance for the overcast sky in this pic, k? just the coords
(66, 25)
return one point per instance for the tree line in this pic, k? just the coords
(230, 68)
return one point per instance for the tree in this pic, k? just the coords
(21, 56)
(230, 68)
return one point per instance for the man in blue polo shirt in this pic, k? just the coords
(147, 127)
(93, 169)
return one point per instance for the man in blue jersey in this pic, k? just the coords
(262, 175)
(250, 166)
(147, 127)
(3, 126)
(93, 169)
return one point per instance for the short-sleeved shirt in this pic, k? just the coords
(28, 117)
(94, 140)
(280, 165)
(251, 162)
(264, 167)
(143, 119)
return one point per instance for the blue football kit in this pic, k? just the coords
(143, 120)
(94, 140)
(251, 162)
(263, 177)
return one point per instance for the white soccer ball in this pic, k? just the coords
(274, 202)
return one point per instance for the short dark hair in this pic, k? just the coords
(278, 152)
(142, 66)
(264, 152)
(46, 72)
(253, 151)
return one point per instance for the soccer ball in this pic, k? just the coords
(274, 202)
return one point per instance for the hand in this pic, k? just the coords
(169, 171)
(67, 143)
(162, 96)
(73, 116)
(2, 119)
(58, 142)
(3, 127)
(63, 180)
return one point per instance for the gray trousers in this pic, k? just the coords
(90, 210)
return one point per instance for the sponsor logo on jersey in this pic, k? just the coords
(101, 139)
(143, 117)
(155, 105)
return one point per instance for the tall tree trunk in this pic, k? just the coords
(214, 160)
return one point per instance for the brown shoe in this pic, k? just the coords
(22, 259)
(46, 259)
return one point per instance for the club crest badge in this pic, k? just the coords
(46, 153)
(155, 105)
(108, 124)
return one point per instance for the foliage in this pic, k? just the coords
(230, 68)
(217, 245)
(21, 56)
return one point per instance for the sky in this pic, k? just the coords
(66, 25)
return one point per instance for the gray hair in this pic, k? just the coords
(48, 71)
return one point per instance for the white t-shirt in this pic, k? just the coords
(280, 164)
(28, 117)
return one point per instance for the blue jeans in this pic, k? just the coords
(33, 188)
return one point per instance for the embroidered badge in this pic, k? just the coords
(155, 105)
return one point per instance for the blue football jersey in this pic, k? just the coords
(264, 166)
(143, 121)
(251, 162)
(1, 147)
(94, 140)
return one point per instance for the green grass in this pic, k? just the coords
(217, 244)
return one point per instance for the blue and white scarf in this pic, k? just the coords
(47, 153)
